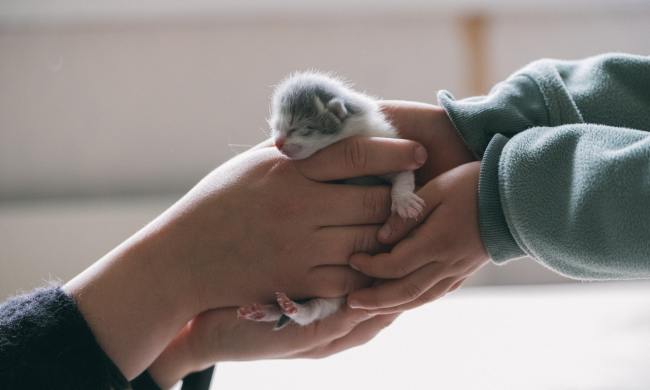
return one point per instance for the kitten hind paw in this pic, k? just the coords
(407, 205)
(287, 306)
(257, 312)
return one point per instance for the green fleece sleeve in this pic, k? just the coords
(574, 197)
(565, 172)
(609, 89)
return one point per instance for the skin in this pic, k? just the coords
(438, 255)
(216, 336)
(252, 219)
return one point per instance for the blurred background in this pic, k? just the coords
(110, 110)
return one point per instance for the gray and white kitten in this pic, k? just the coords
(309, 112)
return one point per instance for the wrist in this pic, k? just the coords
(129, 302)
(179, 359)
(446, 148)
(190, 264)
(173, 363)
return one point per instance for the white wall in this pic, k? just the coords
(103, 122)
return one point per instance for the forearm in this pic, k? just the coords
(134, 299)
(611, 89)
(573, 197)
(46, 344)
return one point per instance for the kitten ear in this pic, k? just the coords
(337, 107)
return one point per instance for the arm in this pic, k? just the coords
(611, 89)
(240, 223)
(574, 197)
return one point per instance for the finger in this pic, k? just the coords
(363, 156)
(409, 255)
(328, 329)
(338, 242)
(397, 292)
(344, 204)
(439, 290)
(412, 119)
(332, 281)
(396, 227)
(457, 285)
(360, 335)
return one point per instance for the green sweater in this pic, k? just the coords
(565, 171)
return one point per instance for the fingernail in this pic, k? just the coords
(354, 267)
(420, 155)
(385, 232)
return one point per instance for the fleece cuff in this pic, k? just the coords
(510, 108)
(496, 236)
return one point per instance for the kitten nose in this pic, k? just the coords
(279, 142)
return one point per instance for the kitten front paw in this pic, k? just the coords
(407, 205)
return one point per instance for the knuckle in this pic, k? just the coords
(364, 241)
(412, 291)
(374, 203)
(355, 154)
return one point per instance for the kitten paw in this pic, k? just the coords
(287, 306)
(254, 312)
(407, 205)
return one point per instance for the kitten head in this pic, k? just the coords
(308, 113)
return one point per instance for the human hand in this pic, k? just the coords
(218, 336)
(430, 126)
(259, 223)
(274, 223)
(436, 257)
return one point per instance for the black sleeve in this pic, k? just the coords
(144, 381)
(45, 343)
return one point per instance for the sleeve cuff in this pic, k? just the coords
(45, 343)
(511, 107)
(496, 236)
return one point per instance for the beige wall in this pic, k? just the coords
(103, 124)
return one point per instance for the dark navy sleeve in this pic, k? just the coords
(45, 343)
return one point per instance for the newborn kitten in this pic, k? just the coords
(310, 111)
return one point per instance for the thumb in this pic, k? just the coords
(363, 156)
(396, 227)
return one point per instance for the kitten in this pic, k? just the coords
(309, 112)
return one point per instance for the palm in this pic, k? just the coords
(430, 126)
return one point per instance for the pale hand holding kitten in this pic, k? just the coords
(217, 336)
(309, 112)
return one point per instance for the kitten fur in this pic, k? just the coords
(310, 111)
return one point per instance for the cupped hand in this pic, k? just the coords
(218, 336)
(261, 223)
(436, 256)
